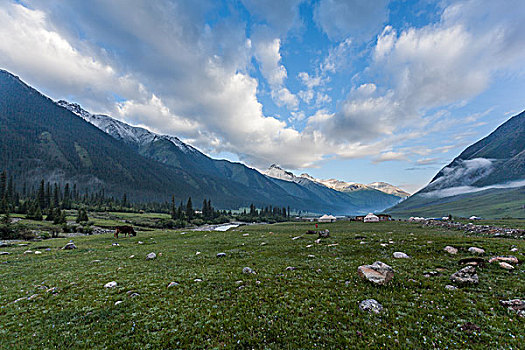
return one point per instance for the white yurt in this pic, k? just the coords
(327, 218)
(371, 218)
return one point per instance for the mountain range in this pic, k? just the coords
(277, 172)
(61, 142)
(487, 179)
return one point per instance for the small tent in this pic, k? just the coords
(371, 218)
(327, 218)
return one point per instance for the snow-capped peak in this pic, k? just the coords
(130, 134)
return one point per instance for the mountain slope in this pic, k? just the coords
(44, 139)
(491, 168)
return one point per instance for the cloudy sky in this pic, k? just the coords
(358, 90)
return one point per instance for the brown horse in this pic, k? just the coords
(125, 230)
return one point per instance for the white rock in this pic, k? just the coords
(506, 266)
(4, 253)
(118, 302)
(28, 252)
(151, 256)
(131, 256)
(450, 250)
(111, 284)
(401, 255)
(221, 255)
(197, 253)
(450, 287)
(172, 284)
(293, 239)
(37, 252)
(248, 270)
(311, 256)
(514, 250)
(197, 280)
(476, 250)
(140, 242)
(371, 306)
(378, 273)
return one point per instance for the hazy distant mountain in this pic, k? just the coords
(341, 186)
(488, 178)
(366, 198)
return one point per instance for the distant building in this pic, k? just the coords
(360, 218)
(327, 218)
(371, 218)
(384, 217)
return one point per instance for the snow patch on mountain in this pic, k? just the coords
(130, 134)
(276, 172)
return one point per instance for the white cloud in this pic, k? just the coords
(360, 19)
(454, 191)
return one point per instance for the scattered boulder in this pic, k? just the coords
(248, 271)
(508, 259)
(197, 280)
(221, 255)
(134, 294)
(111, 284)
(131, 256)
(371, 306)
(324, 234)
(311, 256)
(516, 305)
(4, 253)
(401, 255)
(450, 250)
(514, 249)
(470, 327)
(70, 245)
(28, 252)
(172, 284)
(290, 268)
(465, 276)
(476, 250)
(472, 261)
(297, 237)
(38, 252)
(151, 256)
(506, 266)
(378, 273)
(118, 302)
(450, 287)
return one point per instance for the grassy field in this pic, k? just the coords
(313, 306)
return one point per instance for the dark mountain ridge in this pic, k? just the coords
(44, 139)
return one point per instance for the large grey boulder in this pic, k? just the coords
(378, 273)
(371, 306)
(465, 276)
(151, 256)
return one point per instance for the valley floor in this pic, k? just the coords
(57, 299)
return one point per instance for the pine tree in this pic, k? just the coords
(66, 202)
(38, 214)
(124, 200)
(41, 196)
(189, 209)
(56, 197)
(48, 195)
(205, 213)
(3, 184)
(173, 209)
(50, 214)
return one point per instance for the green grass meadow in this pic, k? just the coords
(313, 306)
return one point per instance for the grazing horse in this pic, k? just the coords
(125, 230)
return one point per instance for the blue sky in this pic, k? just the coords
(357, 90)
